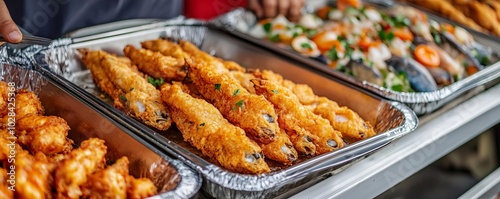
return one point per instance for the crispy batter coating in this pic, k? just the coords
(140, 188)
(140, 98)
(4, 98)
(232, 66)
(108, 183)
(252, 113)
(244, 79)
(200, 57)
(295, 118)
(73, 171)
(33, 176)
(202, 125)
(343, 119)
(155, 64)
(167, 48)
(27, 103)
(5, 192)
(8, 142)
(46, 134)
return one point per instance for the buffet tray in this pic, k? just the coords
(238, 22)
(172, 177)
(390, 119)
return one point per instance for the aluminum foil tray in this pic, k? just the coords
(172, 177)
(391, 119)
(238, 22)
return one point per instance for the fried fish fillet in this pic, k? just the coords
(202, 125)
(155, 64)
(33, 176)
(45, 134)
(280, 150)
(108, 183)
(343, 119)
(294, 117)
(252, 113)
(72, 172)
(167, 48)
(138, 97)
(200, 57)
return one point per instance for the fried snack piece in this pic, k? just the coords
(343, 119)
(8, 142)
(33, 176)
(202, 125)
(484, 15)
(73, 171)
(449, 11)
(140, 188)
(5, 192)
(138, 97)
(167, 48)
(27, 103)
(244, 79)
(108, 183)
(252, 113)
(296, 118)
(200, 57)
(46, 134)
(155, 64)
(349, 123)
(4, 98)
(232, 66)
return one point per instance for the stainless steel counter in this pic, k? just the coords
(437, 135)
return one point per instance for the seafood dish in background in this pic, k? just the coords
(237, 118)
(399, 49)
(48, 166)
(480, 15)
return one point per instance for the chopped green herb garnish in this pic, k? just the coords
(274, 38)
(385, 36)
(267, 27)
(311, 33)
(239, 103)
(236, 92)
(295, 34)
(274, 91)
(332, 54)
(155, 82)
(217, 87)
(123, 98)
(483, 59)
(131, 89)
(306, 45)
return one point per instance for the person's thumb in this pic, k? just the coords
(8, 28)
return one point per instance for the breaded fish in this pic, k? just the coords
(202, 125)
(294, 117)
(200, 57)
(343, 119)
(155, 64)
(129, 90)
(252, 113)
(167, 48)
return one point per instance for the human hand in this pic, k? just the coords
(8, 28)
(272, 8)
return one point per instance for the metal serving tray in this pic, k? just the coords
(238, 21)
(172, 177)
(391, 119)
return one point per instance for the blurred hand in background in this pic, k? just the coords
(272, 8)
(8, 28)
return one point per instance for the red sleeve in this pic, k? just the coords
(208, 9)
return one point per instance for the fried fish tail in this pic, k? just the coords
(147, 109)
(155, 64)
(349, 123)
(294, 114)
(280, 150)
(251, 112)
(202, 125)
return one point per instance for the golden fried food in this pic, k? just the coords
(27, 103)
(232, 66)
(5, 192)
(343, 119)
(108, 183)
(294, 117)
(200, 57)
(72, 172)
(33, 176)
(155, 64)
(4, 98)
(252, 113)
(8, 146)
(167, 48)
(485, 16)
(46, 134)
(140, 188)
(202, 125)
(140, 98)
(244, 79)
